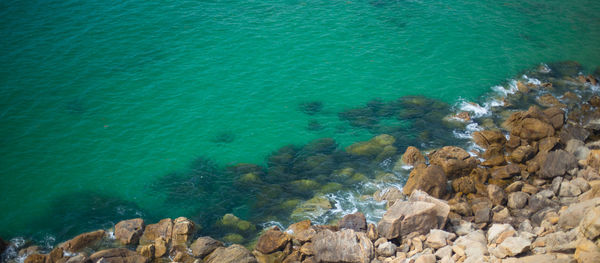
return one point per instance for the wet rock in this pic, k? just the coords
(517, 200)
(463, 185)
(204, 246)
(557, 164)
(128, 232)
(311, 208)
(390, 194)
(454, 161)
(356, 222)
(272, 240)
(438, 238)
(386, 249)
(547, 100)
(296, 228)
(590, 223)
(496, 194)
(372, 147)
(162, 229)
(232, 254)
(412, 156)
(118, 255)
(572, 216)
(83, 241)
(431, 179)
(487, 138)
(406, 217)
(342, 246)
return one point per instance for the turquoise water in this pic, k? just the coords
(99, 101)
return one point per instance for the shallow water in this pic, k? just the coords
(111, 111)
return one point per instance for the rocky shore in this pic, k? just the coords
(528, 190)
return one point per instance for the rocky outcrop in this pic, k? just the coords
(82, 241)
(272, 240)
(430, 179)
(455, 161)
(412, 156)
(356, 222)
(117, 255)
(203, 246)
(129, 231)
(161, 230)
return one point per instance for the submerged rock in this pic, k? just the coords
(372, 147)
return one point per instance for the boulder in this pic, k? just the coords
(162, 229)
(556, 117)
(587, 252)
(36, 258)
(431, 179)
(274, 257)
(183, 230)
(559, 241)
(296, 228)
(532, 129)
(517, 200)
(506, 172)
(498, 231)
(442, 209)
(593, 159)
(512, 246)
(272, 240)
(204, 246)
(463, 185)
(438, 238)
(232, 254)
(356, 222)
(311, 208)
(147, 251)
(522, 154)
(405, 217)
(578, 149)
(83, 241)
(455, 161)
(474, 245)
(572, 216)
(389, 194)
(342, 246)
(568, 189)
(386, 249)
(487, 138)
(569, 132)
(128, 232)
(412, 156)
(496, 194)
(557, 163)
(590, 223)
(118, 255)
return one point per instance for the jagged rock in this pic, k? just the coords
(431, 179)
(204, 246)
(474, 245)
(118, 255)
(533, 129)
(587, 252)
(232, 254)
(342, 246)
(406, 217)
(444, 252)
(386, 249)
(160, 247)
(463, 185)
(147, 251)
(183, 230)
(573, 215)
(442, 209)
(454, 161)
(274, 257)
(487, 138)
(496, 194)
(569, 132)
(356, 222)
(505, 172)
(560, 241)
(498, 232)
(83, 240)
(390, 194)
(272, 240)
(590, 223)
(296, 228)
(594, 191)
(162, 229)
(548, 100)
(557, 164)
(438, 238)
(522, 154)
(481, 211)
(556, 117)
(556, 184)
(81, 258)
(412, 156)
(128, 232)
(517, 200)
(512, 246)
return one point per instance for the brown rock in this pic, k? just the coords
(204, 246)
(183, 230)
(548, 143)
(129, 231)
(274, 257)
(593, 159)
(463, 185)
(533, 129)
(496, 194)
(430, 179)
(298, 227)
(517, 200)
(590, 223)
(556, 116)
(548, 100)
(356, 222)
(146, 251)
(232, 254)
(454, 161)
(412, 156)
(505, 172)
(522, 154)
(406, 217)
(587, 252)
(487, 138)
(83, 240)
(272, 240)
(389, 194)
(343, 246)
(479, 175)
(36, 258)
(162, 229)
(372, 233)
(118, 255)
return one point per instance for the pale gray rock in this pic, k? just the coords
(342, 246)
(517, 200)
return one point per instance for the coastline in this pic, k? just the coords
(489, 181)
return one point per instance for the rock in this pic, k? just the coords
(590, 223)
(233, 238)
(593, 159)
(569, 132)
(372, 147)
(79, 259)
(441, 209)
(512, 246)
(342, 246)
(147, 251)
(556, 117)
(117, 255)
(128, 232)
(36, 258)
(311, 208)
(586, 251)
(522, 154)
(581, 183)
(438, 238)
(533, 129)
(430, 179)
(296, 228)
(463, 185)
(204, 246)
(183, 230)
(406, 217)
(567, 189)
(272, 240)
(232, 254)
(496, 231)
(83, 240)
(426, 258)
(514, 187)
(162, 229)
(547, 100)
(496, 194)
(444, 252)
(572, 216)
(455, 161)
(556, 184)
(560, 241)
(487, 138)
(557, 164)
(578, 149)
(594, 191)
(517, 200)
(390, 194)
(386, 249)
(505, 172)
(412, 156)
(356, 222)
(3, 245)
(160, 247)
(545, 258)
(474, 245)
(481, 211)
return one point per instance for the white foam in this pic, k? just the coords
(269, 224)
(544, 69)
(533, 81)
(474, 108)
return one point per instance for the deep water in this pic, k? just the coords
(146, 108)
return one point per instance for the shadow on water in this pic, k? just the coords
(224, 137)
(311, 107)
